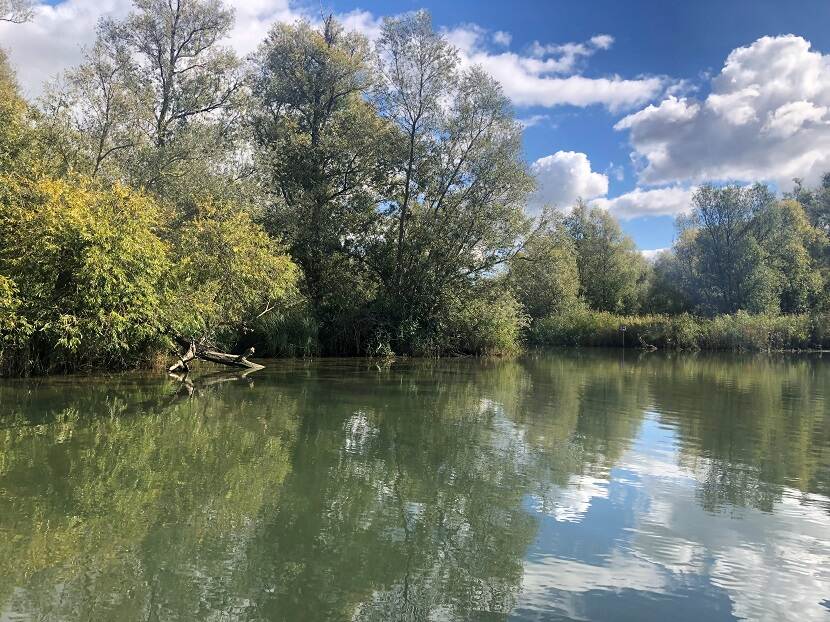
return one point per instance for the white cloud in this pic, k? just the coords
(52, 42)
(669, 201)
(567, 55)
(564, 177)
(502, 38)
(546, 76)
(534, 119)
(765, 118)
(652, 253)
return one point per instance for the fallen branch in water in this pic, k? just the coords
(198, 351)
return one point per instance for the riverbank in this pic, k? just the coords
(740, 332)
(736, 333)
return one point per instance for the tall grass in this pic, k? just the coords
(738, 332)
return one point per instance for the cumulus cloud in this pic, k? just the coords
(546, 75)
(765, 118)
(669, 201)
(502, 38)
(564, 177)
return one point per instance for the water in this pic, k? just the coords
(572, 486)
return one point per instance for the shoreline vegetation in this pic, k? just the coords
(329, 196)
(740, 332)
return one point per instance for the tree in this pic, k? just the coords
(160, 95)
(544, 276)
(93, 113)
(229, 273)
(791, 245)
(321, 148)
(91, 268)
(726, 251)
(741, 249)
(668, 289)
(612, 273)
(15, 135)
(452, 212)
(16, 11)
(815, 201)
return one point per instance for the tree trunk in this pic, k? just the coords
(197, 351)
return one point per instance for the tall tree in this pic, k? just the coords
(453, 209)
(727, 249)
(16, 11)
(612, 273)
(741, 249)
(320, 152)
(158, 94)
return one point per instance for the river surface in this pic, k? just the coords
(570, 486)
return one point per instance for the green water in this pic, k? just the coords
(566, 486)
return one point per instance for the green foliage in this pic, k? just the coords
(159, 192)
(157, 102)
(227, 272)
(321, 149)
(387, 202)
(544, 276)
(16, 137)
(742, 250)
(486, 322)
(738, 332)
(91, 267)
(288, 332)
(612, 273)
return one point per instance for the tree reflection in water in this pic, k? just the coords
(463, 489)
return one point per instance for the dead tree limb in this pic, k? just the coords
(198, 351)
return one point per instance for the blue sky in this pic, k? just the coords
(764, 114)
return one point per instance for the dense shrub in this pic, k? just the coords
(92, 271)
(93, 276)
(738, 332)
(488, 325)
(292, 332)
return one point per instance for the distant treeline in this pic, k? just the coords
(328, 197)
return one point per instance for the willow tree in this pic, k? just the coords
(544, 275)
(156, 100)
(612, 273)
(320, 146)
(453, 207)
(16, 11)
(741, 249)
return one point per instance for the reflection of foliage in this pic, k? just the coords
(348, 490)
(147, 509)
(748, 426)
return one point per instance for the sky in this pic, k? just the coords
(627, 105)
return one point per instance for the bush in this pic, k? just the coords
(483, 320)
(283, 333)
(490, 325)
(92, 269)
(738, 332)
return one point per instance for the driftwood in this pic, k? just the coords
(198, 351)
(645, 345)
